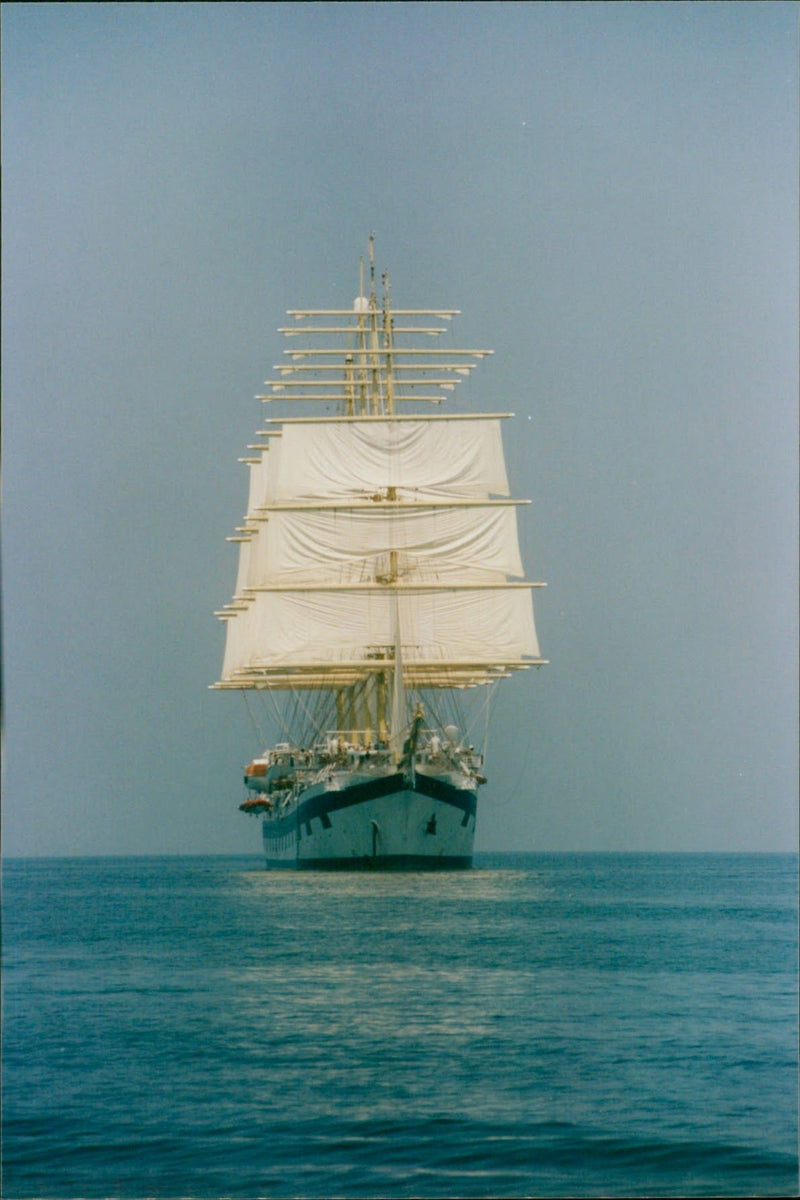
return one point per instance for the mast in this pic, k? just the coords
(398, 688)
(387, 334)
(362, 307)
(376, 397)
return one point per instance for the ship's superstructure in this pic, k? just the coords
(379, 579)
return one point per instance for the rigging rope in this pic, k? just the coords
(259, 734)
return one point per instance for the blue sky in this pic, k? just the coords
(607, 192)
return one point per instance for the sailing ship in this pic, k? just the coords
(379, 583)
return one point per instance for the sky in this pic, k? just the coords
(607, 192)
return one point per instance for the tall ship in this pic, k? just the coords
(380, 593)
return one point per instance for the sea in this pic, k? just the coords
(541, 1025)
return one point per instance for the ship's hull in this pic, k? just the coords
(382, 822)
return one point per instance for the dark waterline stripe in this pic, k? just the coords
(390, 862)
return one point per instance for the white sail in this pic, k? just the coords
(257, 492)
(420, 459)
(407, 546)
(259, 477)
(243, 573)
(340, 546)
(330, 629)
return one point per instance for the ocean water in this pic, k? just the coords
(543, 1025)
